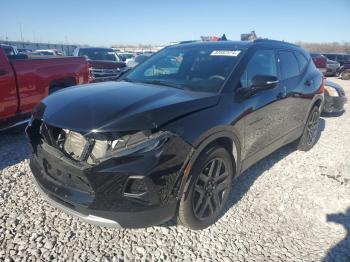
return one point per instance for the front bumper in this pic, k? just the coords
(99, 221)
(334, 104)
(331, 71)
(98, 194)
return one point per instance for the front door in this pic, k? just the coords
(264, 122)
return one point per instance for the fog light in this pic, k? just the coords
(136, 186)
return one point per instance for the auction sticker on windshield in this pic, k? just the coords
(225, 53)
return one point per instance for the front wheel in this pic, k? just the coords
(311, 130)
(208, 191)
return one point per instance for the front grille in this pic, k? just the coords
(101, 73)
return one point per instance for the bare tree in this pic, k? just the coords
(334, 47)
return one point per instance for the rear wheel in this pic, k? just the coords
(208, 191)
(311, 130)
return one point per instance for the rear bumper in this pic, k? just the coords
(330, 71)
(334, 104)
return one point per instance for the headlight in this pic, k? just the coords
(142, 141)
(331, 91)
(104, 146)
(139, 142)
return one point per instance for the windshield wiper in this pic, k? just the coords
(163, 83)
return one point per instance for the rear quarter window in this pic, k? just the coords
(289, 64)
(302, 61)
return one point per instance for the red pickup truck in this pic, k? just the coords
(24, 82)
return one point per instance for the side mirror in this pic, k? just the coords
(263, 82)
(258, 83)
(123, 59)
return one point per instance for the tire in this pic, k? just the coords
(345, 75)
(208, 189)
(311, 131)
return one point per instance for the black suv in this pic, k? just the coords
(168, 139)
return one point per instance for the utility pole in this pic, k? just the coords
(20, 29)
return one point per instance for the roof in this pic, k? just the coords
(96, 48)
(236, 44)
(239, 44)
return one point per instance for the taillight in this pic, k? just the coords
(320, 62)
(321, 89)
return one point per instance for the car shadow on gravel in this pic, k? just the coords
(14, 147)
(335, 114)
(242, 184)
(341, 251)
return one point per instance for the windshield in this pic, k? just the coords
(197, 68)
(99, 54)
(127, 56)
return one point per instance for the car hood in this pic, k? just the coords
(120, 106)
(100, 64)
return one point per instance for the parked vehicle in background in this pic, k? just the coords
(320, 61)
(24, 82)
(167, 140)
(332, 68)
(9, 49)
(105, 64)
(126, 57)
(48, 52)
(341, 58)
(138, 60)
(344, 72)
(334, 97)
(24, 50)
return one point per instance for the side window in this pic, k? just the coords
(301, 60)
(289, 64)
(263, 62)
(331, 57)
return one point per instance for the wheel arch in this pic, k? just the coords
(318, 100)
(225, 139)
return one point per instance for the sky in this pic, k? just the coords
(107, 22)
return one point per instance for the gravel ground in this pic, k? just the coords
(291, 206)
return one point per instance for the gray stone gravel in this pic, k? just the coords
(291, 206)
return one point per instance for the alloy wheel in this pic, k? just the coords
(211, 188)
(312, 127)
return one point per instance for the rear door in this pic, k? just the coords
(294, 79)
(265, 120)
(8, 92)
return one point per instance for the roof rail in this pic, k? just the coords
(273, 41)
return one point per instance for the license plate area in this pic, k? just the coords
(62, 173)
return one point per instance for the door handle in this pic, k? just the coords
(309, 82)
(3, 72)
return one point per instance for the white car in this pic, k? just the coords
(126, 57)
(138, 60)
(52, 52)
